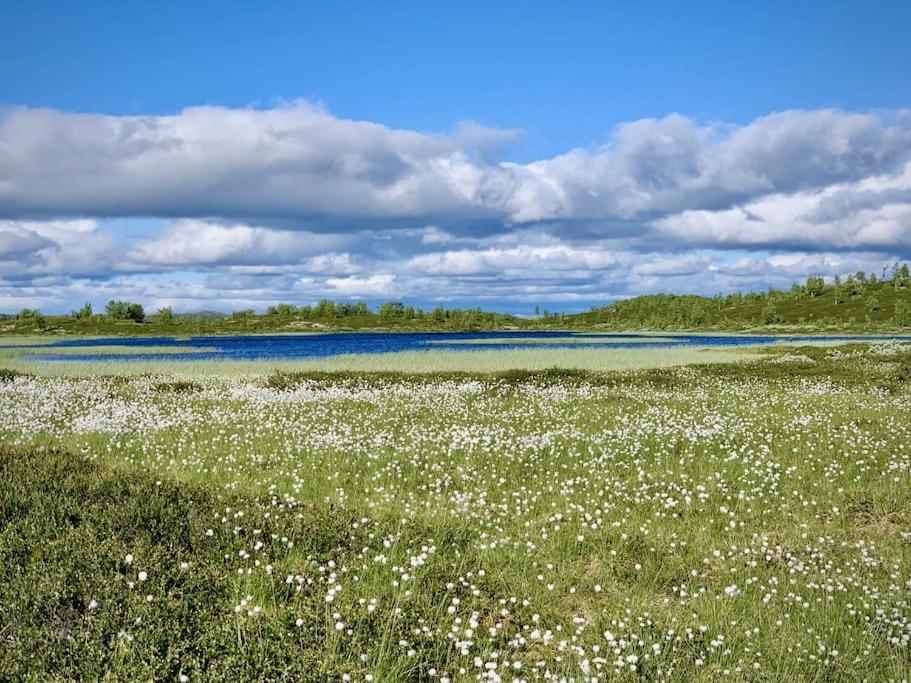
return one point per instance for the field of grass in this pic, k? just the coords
(594, 339)
(862, 308)
(468, 361)
(745, 520)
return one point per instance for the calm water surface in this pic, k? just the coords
(289, 347)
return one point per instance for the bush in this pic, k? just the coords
(178, 387)
(902, 313)
(124, 310)
(83, 313)
(165, 315)
(770, 314)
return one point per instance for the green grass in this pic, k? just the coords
(711, 519)
(406, 361)
(100, 350)
(576, 339)
(794, 314)
(71, 613)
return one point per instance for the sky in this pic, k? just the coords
(505, 155)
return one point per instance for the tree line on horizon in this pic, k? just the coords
(324, 311)
(812, 301)
(855, 298)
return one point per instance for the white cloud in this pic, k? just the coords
(300, 166)
(531, 261)
(253, 206)
(195, 242)
(35, 249)
(873, 212)
(381, 284)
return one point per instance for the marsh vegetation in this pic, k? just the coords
(745, 520)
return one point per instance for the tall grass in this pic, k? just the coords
(745, 521)
(406, 361)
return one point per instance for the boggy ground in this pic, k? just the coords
(748, 521)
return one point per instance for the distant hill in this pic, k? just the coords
(855, 302)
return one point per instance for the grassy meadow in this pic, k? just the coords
(479, 360)
(665, 517)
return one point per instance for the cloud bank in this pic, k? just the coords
(257, 205)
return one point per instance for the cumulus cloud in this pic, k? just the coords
(16, 242)
(293, 162)
(532, 262)
(196, 242)
(381, 284)
(303, 167)
(870, 213)
(36, 249)
(255, 206)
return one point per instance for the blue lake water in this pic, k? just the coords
(290, 347)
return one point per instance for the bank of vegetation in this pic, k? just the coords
(858, 302)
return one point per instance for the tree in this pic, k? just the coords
(770, 314)
(841, 292)
(392, 309)
(124, 310)
(902, 313)
(165, 315)
(324, 309)
(31, 314)
(815, 286)
(83, 313)
(872, 303)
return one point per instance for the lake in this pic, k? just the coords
(298, 346)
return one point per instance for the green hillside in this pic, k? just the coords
(855, 302)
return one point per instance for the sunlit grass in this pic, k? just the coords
(579, 339)
(405, 361)
(743, 520)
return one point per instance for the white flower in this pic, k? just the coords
(143, 575)
(128, 559)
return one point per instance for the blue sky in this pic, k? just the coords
(420, 150)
